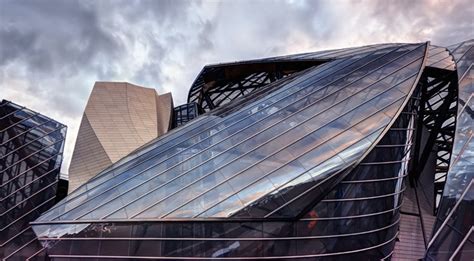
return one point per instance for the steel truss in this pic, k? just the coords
(218, 86)
(437, 113)
(184, 113)
(233, 89)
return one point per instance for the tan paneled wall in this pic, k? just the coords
(88, 157)
(164, 107)
(119, 117)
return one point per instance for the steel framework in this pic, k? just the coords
(437, 113)
(216, 86)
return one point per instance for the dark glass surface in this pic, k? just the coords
(31, 153)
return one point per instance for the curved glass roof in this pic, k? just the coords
(440, 57)
(296, 140)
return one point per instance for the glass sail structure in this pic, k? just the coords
(454, 227)
(303, 156)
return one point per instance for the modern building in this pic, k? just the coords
(119, 118)
(361, 153)
(31, 147)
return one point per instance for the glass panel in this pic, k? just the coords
(225, 208)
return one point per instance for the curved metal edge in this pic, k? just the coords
(233, 258)
(394, 223)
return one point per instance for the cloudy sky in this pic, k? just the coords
(52, 52)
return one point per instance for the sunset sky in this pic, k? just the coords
(52, 52)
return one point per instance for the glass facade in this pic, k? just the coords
(31, 148)
(313, 164)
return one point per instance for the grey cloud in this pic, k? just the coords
(163, 12)
(64, 35)
(205, 42)
(150, 73)
(14, 43)
(55, 50)
(448, 21)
